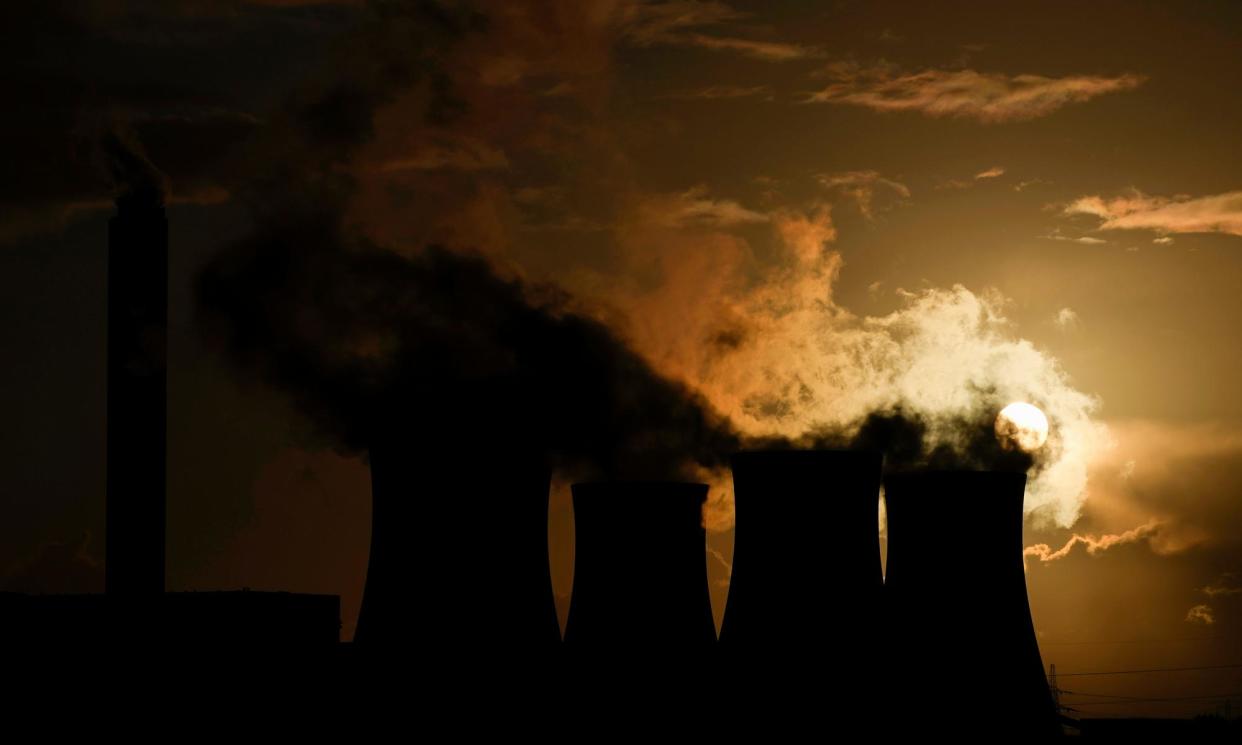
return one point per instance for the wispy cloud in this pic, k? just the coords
(467, 154)
(1093, 544)
(713, 92)
(772, 51)
(682, 23)
(959, 183)
(1225, 586)
(1087, 240)
(652, 23)
(1134, 210)
(862, 187)
(1024, 185)
(986, 97)
(694, 208)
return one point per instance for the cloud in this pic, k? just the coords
(179, 132)
(1066, 319)
(1086, 240)
(1024, 185)
(693, 208)
(1094, 544)
(770, 51)
(713, 92)
(862, 187)
(957, 183)
(1134, 210)
(680, 23)
(1182, 476)
(984, 97)
(1201, 614)
(465, 155)
(1222, 588)
(654, 22)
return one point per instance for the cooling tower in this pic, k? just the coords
(806, 559)
(459, 548)
(137, 382)
(963, 655)
(640, 568)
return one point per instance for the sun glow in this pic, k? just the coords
(1021, 426)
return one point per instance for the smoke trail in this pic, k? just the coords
(348, 329)
(1094, 544)
(352, 329)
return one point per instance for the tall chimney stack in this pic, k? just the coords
(137, 388)
(640, 568)
(964, 657)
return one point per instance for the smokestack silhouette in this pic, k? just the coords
(640, 567)
(137, 382)
(459, 551)
(806, 562)
(959, 620)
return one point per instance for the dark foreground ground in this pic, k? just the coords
(339, 693)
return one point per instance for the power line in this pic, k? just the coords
(1132, 702)
(1153, 670)
(1131, 641)
(1136, 699)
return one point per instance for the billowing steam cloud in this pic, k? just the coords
(925, 382)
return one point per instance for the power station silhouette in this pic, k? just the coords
(459, 558)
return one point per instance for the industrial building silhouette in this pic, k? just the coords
(459, 561)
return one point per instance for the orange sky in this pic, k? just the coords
(886, 203)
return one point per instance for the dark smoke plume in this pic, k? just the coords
(360, 335)
(355, 332)
(902, 437)
(135, 180)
